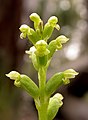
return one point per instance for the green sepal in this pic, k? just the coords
(55, 103)
(53, 83)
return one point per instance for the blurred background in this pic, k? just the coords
(16, 104)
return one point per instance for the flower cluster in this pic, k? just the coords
(41, 54)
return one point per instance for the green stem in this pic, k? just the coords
(42, 109)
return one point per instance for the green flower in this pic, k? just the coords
(24, 82)
(68, 74)
(24, 29)
(38, 23)
(55, 103)
(49, 27)
(15, 76)
(31, 51)
(41, 48)
(60, 40)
